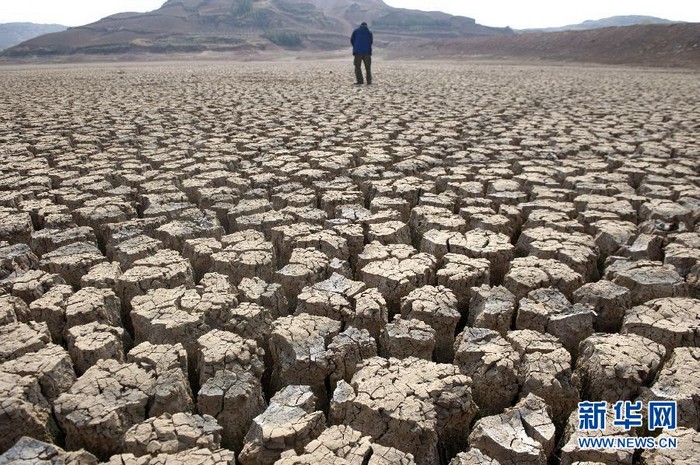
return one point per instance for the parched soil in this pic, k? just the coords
(264, 264)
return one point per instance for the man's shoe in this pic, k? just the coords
(359, 83)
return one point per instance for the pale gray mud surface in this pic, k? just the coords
(261, 263)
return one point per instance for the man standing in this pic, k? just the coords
(361, 41)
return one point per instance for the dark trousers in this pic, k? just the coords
(367, 60)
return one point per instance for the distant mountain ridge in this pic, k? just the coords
(12, 34)
(658, 45)
(249, 25)
(612, 21)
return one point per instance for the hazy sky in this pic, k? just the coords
(518, 14)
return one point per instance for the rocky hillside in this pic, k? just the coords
(645, 45)
(14, 33)
(239, 25)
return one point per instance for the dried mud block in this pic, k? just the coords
(332, 298)
(375, 251)
(246, 254)
(174, 234)
(17, 339)
(262, 222)
(670, 321)
(673, 214)
(343, 445)
(50, 308)
(647, 280)
(330, 200)
(371, 312)
(268, 295)
(644, 247)
(609, 301)
(494, 247)
(222, 350)
(91, 342)
(437, 307)
(23, 411)
(30, 285)
(553, 220)
(331, 243)
(72, 261)
(169, 316)
(396, 278)
(169, 363)
(473, 457)
(101, 212)
(234, 399)
(571, 454)
(614, 367)
(200, 253)
(492, 308)
(678, 381)
(529, 273)
(401, 206)
(102, 276)
(284, 238)
(252, 321)
(549, 311)
(102, 405)
(47, 240)
(91, 304)
(687, 452)
(289, 422)
(186, 457)
(347, 350)
(165, 269)
(424, 218)
(116, 233)
(170, 434)
(416, 406)
(305, 267)
(133, 249)
(610, 235)
(299, 351)
(493, 365)
(30, 451)
(608, 206)
(407, 338)
(576, 250)
(16, 258)
(439, 243)
(460, 273)
(683, 253)
(51, 365)
(13, 310)
(15, 227)
(522, 434)
(545, 370)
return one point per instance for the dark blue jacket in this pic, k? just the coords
(361, 41)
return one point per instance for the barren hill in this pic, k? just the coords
(644, 45)
(226, 25)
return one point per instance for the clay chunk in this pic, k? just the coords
(522, 434)
(169, 434)
(30, 451)
(344, 446)
(614, 367)
(413, 405)
(107, 400)
(291, 421)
